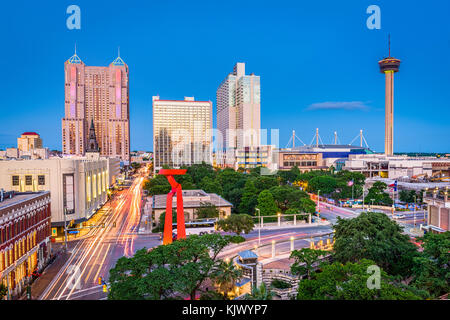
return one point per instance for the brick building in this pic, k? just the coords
(24, 238)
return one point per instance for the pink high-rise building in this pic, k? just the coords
(99, 94)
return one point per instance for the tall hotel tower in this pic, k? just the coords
(389, 66)
(98, 95)
(238, 109)
(182, 132)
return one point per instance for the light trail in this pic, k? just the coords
(89, 255)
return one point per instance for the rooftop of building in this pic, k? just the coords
(30, 133)
(19, 197)
(383, 157)
(192, 199)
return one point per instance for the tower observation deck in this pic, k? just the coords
(389, 66)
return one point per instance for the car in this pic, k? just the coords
(399, 216)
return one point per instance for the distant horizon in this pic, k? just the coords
(376, 152)
(317, 69)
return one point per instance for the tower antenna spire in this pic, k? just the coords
(118, 51)
(389, 39)
(75, 47)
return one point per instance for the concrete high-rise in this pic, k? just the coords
(238, 109)
(182, 132)
(99, 95)
(389, 66)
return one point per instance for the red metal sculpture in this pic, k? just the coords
(176, 189)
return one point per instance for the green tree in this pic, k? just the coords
(432, 268)
(409, 196)
(207, 210)
(265, 183)
(266, 203)
(306, 260)
(168, 271)
(162, 220)
(350, 282)
(225, 275)
(234, 196)
(288, 197)
(289, 176)
(372, 235)
(376, 192)
(186, 182)
(210, 185)
(326, 184)
(259, 293)
(249, 198)
(237, 223)
(199, 171)
(157, 185)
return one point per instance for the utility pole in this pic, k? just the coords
(414, 211)
(259, 229)
(364, 189)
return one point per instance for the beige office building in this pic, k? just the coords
(29, 141)
(77, 185)
(192, 201)
(100, 94)
(238, 109)
(182, 132)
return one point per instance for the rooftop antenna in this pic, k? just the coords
(75, 48)
(389, 37)
(118, 51)
(335, 137)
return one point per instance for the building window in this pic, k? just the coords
(28, 180)
(15, 180)
(41, 180)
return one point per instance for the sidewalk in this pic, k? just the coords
(287, 225)
(49, 273)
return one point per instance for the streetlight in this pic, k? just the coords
(318, 201)
(371, 207)
(279, 218)
(364, 189)
(260, 225)
(414, 211)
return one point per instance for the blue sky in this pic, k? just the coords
(317, 61)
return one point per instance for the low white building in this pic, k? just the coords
(397, 166)
(77, 185)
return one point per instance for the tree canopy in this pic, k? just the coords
(349, 281)
(432, 268)
(237, 223)
(372, 235)
(170, 271)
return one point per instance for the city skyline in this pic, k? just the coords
(301, 58)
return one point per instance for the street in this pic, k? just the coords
(93, 257)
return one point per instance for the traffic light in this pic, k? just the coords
(105, 288)
(100, 280)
